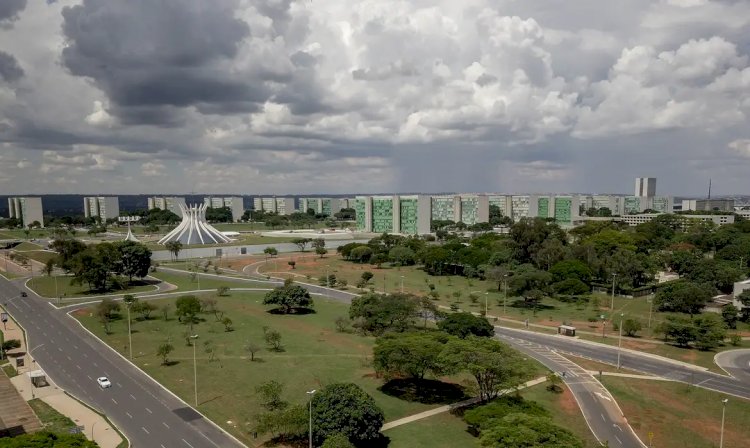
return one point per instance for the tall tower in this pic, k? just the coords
(645, 187)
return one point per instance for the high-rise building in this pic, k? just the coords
(27, 210)
(393, 214)
(235, 203)
(325, 206)
(167, 203)
(706, 205)
(467, 208)
(645, 187)
(280, 206)
(101, 206)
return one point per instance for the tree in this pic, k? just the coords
(107, 310)
(273, 339)
(710, 331)
(165, 311)
(174, 248)
(289, 297)
(222, 291)
(683, 296)
(163, 351)
(187, 309)
(272, 251)
(631, 326)
(465, 324)
(337, 440)
(367, 276)
(376, 313)
(342, 324)
(680, 329)
(46, 439)
(321, 251)
(346, 409)
(302, 243)
(270, 395)
(360, 254)
(411, 355)
(49, 267)
(494, 365)
(288, 423)
(744, 299)
(402, 256)
(730, 314)
(291, 263)
(571, 287)
(144, 309)
(252, 348)
(135, 259)
(227, 322)
(318, 243)
(522, 430)
(554, 381)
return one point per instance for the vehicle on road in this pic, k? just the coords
(104, 382)
(23, 294)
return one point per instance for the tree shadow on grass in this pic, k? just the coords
(294, 311)
(424, 391)
(170, 363)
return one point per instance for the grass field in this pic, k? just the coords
(439, 431)
(26, 246)
(41, 256)
(315, 355)
(45, 287)
(564, 411)
(186, 283)
(678, 415)
(52, 420)
(19, 234)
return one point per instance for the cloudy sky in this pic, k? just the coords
(337, 96)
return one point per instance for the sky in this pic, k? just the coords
(346, 96)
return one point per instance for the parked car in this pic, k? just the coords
(104, 382)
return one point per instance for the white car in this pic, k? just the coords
(104, 382)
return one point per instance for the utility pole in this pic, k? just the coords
(612, 305)
(723, 413)
(650, 311)
(485, 303)
(402, 284)
(619, 343)
(130, 333)
(195, 369)
(311, 393)
(505, 297)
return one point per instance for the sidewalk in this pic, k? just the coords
(448, 407)
(103, 433)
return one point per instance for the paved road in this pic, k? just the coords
(147, 414)
(599, 408)
(736, 363)
(645, 363)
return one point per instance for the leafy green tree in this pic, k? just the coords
(270, 395)
(679, 329)
(411, 355)
(227, 322)
(301, 243)
(346, 409)
(494, 365)
(528, 234)
(174, 248)
(287, 424)
(46, 439)
(144, 309)
(466, 324)
(187, 309)
(49, 267)
(163, 352)
(567, 269)
(367, 276)
(337, 440)
(321, 251)
(631, 326)
(289, 297)
(731, 315)
(571, 287)
(270, 251)
(710, 331)
(106, 311)
(744, 299)
(683, 296)
(402, 256)
(523, 430)
(360, 254)
(377, 313)
(273, 339)
(135, 259)
(318, 243)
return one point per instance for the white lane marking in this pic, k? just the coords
(132, 396)
(59, 349)
(75, 346)
(89, 377)
(162, 446)
(145, 430)
(79, 367)
(617, 426)
(149, 411)
(603, 419)
(44, 334)
(96, 365)
(601, 395)
(186, 443)
(618, 439)
(167, 426)
(113, 401)
(128, 414)
(85, 355)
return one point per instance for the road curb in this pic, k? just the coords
(727, 351)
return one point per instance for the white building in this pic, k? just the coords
(634, 220)
(739, 287)
(101, 206)
(235, 203)
(706, 205)
(27, 210)
(645, 187)
(280, 206)
(170, 203)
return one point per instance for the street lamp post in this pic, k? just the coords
(619, 343)
(195, 369)
(328, 279)
(505, 296)
(723, 412)
(612, 305)
(310, 393)
(402, 284)
(650, 310)
(486, 295)
(130, 334)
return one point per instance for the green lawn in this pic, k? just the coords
(19, 234)
(41, 256)
(186, 283)
(26, 246)
(439, 431)
(564, 410)
(679, 415)
(52, 420)
(45, 287)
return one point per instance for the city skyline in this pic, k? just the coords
(316, 97)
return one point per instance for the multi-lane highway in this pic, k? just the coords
(641, 362)
(147, 414)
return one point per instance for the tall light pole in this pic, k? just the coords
(650, 310)
(612, 305)
(195, 369)
(505, 297)
(130, 334)
(486, 295)
(723, 412)
(310, 393)
(402, 284)
(328, 281)
(619, 343)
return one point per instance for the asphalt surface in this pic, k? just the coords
(652, 365)
(145, 412)
(736, 363)
(599, 408)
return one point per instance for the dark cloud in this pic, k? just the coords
(9, 69)
(163, 55)
(9, 10)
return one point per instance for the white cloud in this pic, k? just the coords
(100, 116)
(154, 168)
(741, 147)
